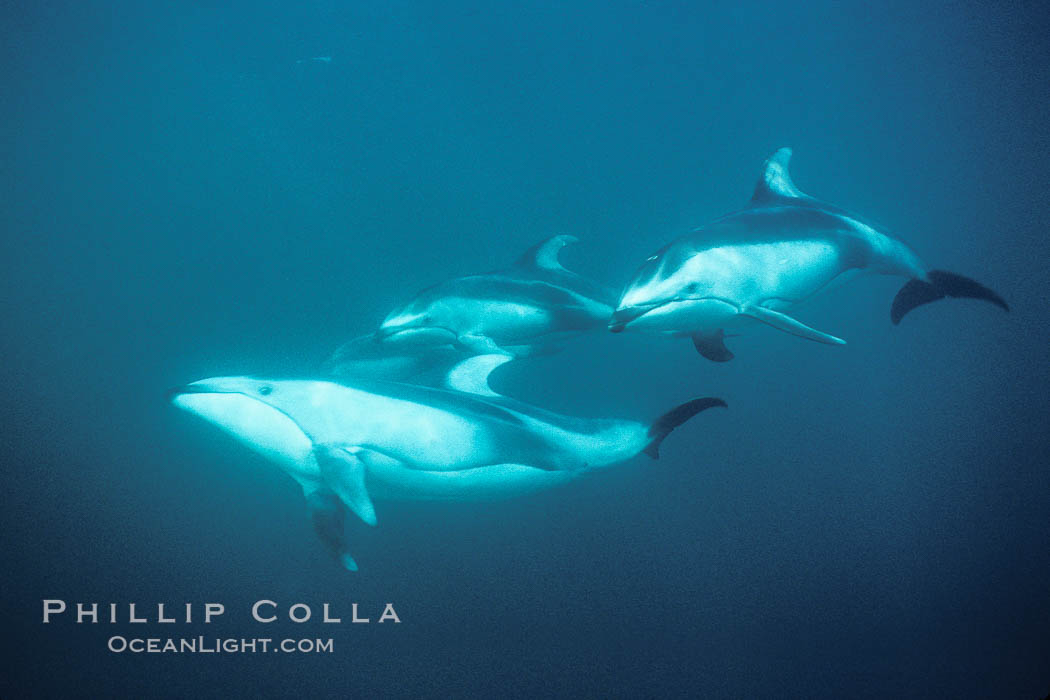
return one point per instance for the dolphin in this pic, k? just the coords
(347, 443)
(754, 264)
(525, 309)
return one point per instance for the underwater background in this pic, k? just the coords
(185, 197)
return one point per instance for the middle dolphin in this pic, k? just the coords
(345, 443)
(752, 265)
(528, 308)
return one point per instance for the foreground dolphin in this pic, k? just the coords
(345, 444)
(528, 308)
(754, 264)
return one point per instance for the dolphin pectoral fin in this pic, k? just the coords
(545, 254)
(712, 345)
(329, 517)
(472, 375)
(789, 325)
(344, 473)
(942, 284)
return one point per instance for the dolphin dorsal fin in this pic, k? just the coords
(472, 375)
(775, 185)
(545, 255)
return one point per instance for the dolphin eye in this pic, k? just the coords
(692, 288)
(266, 390)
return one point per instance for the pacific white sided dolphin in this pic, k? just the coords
(346, 444)
(528, 308)
(754, 264)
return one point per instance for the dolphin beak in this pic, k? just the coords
(386, 332)
(200, 387)
(625, 314)
(176, 392)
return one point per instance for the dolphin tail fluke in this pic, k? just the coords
(663, 425)
(941, 284)
(329, 517)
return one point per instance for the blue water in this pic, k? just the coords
(182, 199)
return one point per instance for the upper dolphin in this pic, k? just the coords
(517, 311)
(754, 264)
(345, 443)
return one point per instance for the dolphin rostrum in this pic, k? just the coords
(524, 309)
(347, 443)
(754, 264)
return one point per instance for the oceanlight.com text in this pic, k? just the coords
(215, 645)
